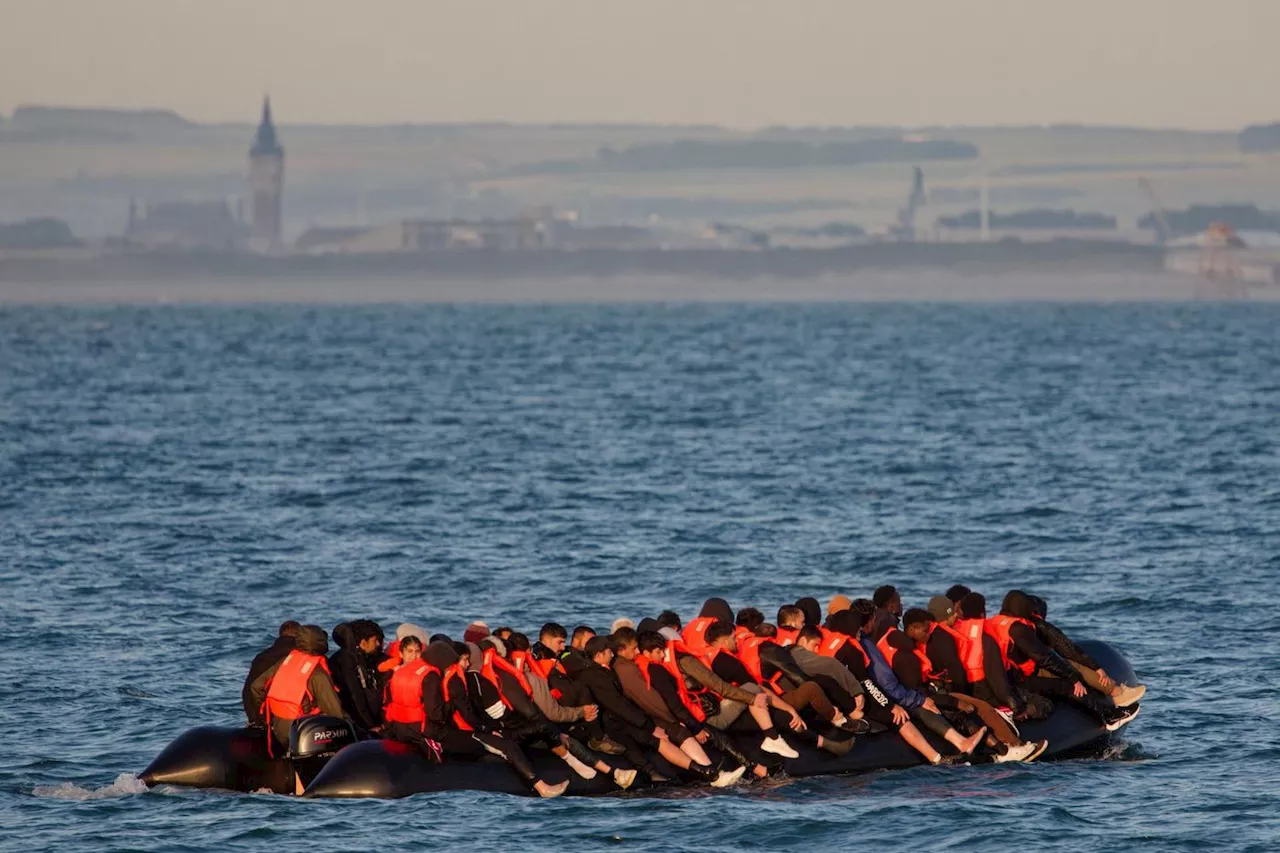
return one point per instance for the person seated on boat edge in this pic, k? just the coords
(297, 686)
(503, 693)
(781, 667)
(354, 667)
(981, 667)
(635, 686)
(845, 642)
(920, 706)
(582, 721)
(698, 697)
(262, 661)
(452, 722)
(1123, 695)
(905, 650)
(1023, 656)
(888, 612)
(546, 659)
(790, 621)
(632, 727)
(786, 706)
(693, 635)
(404, 703)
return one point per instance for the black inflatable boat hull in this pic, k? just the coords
(237, 759)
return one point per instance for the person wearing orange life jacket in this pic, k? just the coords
(983, 668)
(392, 660)
(693, 635)
(403, 707)
(503, 692)
(546, 660)
(684, 679)
(888, 611)
(1023, 655)
(452, 721)
(790, 621)
(747, 620)
(786, 668)
(724, 661)
(297, 686)
(905, 652)
(270, 656)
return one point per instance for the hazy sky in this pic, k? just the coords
(1190, 63)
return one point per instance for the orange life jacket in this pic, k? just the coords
(742, 634)
(669, 663)
(968, 634)
(695, 632)
(393, 657)
(749, 654)
(831, 643)
(889, 650)
(289, 688)
(460, 674)
(544, 667)
(518, 659)
(491, 664)
(404, 694)
(998, 627)
(787, 636)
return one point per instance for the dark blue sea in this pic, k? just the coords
(176, 481)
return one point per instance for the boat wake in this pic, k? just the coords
(126, 784)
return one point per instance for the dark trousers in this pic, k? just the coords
(460, 744)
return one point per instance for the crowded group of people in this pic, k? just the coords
(657, 693)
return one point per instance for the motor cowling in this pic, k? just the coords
(314, 740)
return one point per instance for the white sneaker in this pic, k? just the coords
(1008, 718)
(778, 746)
(554, 790)
(1124, 719)
(578, 767)
(839, 719)
(1126, 695)
(624, 778)
(1021, 752)
(727, 777)
(1041, 746)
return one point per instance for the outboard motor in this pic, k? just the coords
(314, 740)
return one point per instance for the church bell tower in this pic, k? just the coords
(266, 181)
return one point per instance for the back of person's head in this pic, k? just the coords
(621, 622)
(503, 632)
(916, 616)
(717, 608)
(848, 622)
(1017, 603)
(441, 655)
(669, 619)
(518, 642)
(440, 638)
(475, 632)
(883, 595)
(789, 615)
(289, 628)
(957, 592)
(582, 633)
(837, 603)
(596, 645)
(865, 607)
(624, 637)
(973, 606)
(312, 639)
(810, 633)
(718, 630)
(749, 618)
(342, 635)
(462, 649)
(649, 641)
(553, 631)
(493, 641)
(1039, 607)
(811, 609)
(766, 629)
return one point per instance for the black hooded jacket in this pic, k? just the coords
(812, 611)
(356, 676)
(717, 608)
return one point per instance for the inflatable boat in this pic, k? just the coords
(327, 760)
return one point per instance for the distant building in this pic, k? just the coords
(266, 182)
(185, 226)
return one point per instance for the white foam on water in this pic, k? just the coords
(126, 784)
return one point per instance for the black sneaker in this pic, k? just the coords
(1121, 717)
